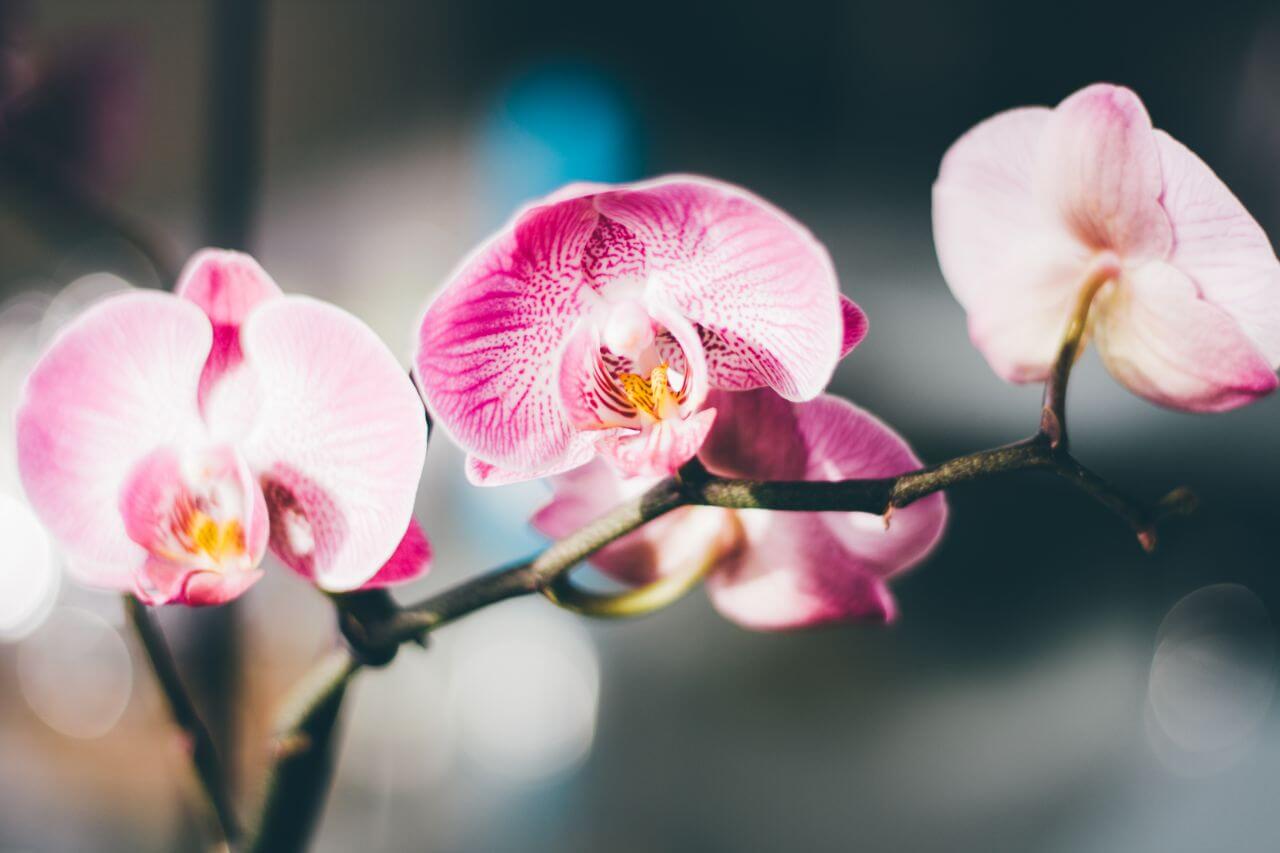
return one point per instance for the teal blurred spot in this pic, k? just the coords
(553, 125)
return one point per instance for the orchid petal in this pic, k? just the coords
(854, 324)
(582, 447)
(803, 569)
(1098, 169)
(755, 437)
(117, 383)
(759, 284)
(165, 582)
(227, 286)
(1221, 247)
(411, 560)
(590, 397)
(1019, 326)
(339, 440)
(1164, 342)
(795, 573)
(1014, 270)
(488, 347)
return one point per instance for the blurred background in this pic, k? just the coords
(1047, 687)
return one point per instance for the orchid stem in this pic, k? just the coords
(204, 755)
(879, 496)
(302, 769)
(1053, 416)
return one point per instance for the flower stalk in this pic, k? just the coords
(204, 754)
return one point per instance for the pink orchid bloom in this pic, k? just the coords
(599, 319)
(769, 570)
(168, 440)
(1036, 208)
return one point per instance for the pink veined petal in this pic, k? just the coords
(582, 448)
(411, 560)
(338, 442)
(693, 358)
(1098, 169)
(854, 323)
(1220, 246)
(1016, 272)
(489, 346)
(117, 383)
(757, 282)
(803, 569)
(227, 286)
(659, 449)
(1161, 340)
(590, 397)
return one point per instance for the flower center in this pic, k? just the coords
(654, 397)
(193, 533)
(191, 511)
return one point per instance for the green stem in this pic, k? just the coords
(204, 755)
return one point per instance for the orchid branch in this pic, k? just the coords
(204, 755)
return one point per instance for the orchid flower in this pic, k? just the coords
(600, 318)
(769, 570)
(1039, 212)
(168, 440)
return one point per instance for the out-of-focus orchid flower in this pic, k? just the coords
(167, 441)
(769, 570)
(599, 319)
(1037, 211)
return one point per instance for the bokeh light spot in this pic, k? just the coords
(29, 575)
(525, 691)
(75, 673)
(1212, 679)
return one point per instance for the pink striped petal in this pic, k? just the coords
(338, 442)
(757, 282)
(582, 447)
(117, 383)
(489, 345)
(227, 286)
(1164, 342)
(1221, 247)
(1099, 170)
